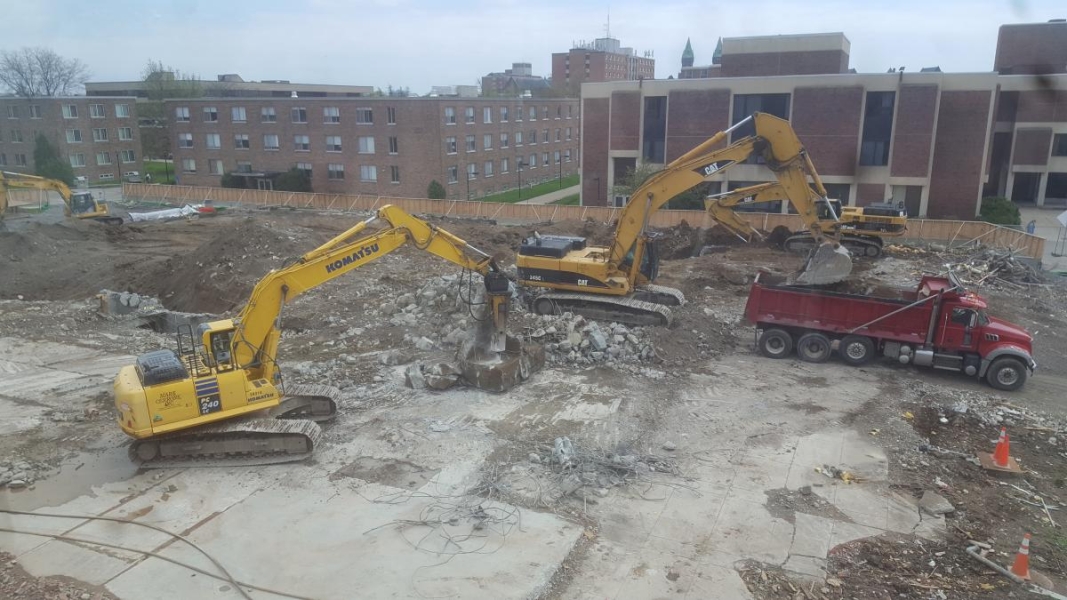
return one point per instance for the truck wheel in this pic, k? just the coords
(1006, 374)
(775, 343)
(813, 347)
(856, 350)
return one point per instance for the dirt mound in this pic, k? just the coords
(219, 274)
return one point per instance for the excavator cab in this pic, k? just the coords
(81, 203)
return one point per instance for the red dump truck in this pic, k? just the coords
(938, 325)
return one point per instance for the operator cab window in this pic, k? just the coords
(964, 316)
(220, 349)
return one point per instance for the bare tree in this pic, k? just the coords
(38, 72)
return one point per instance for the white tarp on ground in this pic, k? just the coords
(167, 214)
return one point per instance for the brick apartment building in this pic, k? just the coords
(602, 60)
(937, 141)
(386, 146)
(234, 85)
(99, 136)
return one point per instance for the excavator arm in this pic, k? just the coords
(781, 150)
(256, 330)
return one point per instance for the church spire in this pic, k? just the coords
(687, 55)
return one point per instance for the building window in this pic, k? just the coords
(472, 172)
(654, 138)
(238, 114)
(334, 171)
(504, 165)
(214, 166)
(368, 173)
(559, 134)
(267, 115)
(487, 141)
(518, 138)
(127, 156)
(122, 111)
(306, 168)
(532, 163)
(544, 113)
(20, 160)
(298, 114)
(518, 114)
(450, 115)
(366, 145)
(189, 165)
(566, 156)
(390, 119)
(211, 114)
(568, 134)
(503, 114)
(559, 111)
(487, 114)
(70, 111)
(77, 160)
(394, 174)
(570, 110)
(394, 146)
(453, 174)
(504, 140)
(331, 115)
(103, 159)
(333, 143)
(74, 136)
(487, 169)
(125, 134)
(301, 143)
(544, 159)
(1056, 187)
(450, 145)
(3, 159)
(35, 111)
(100, 134)
(270, 141)
(96, 111)
(469, 112)
(240, 141)
(1059, 144)
(533, 113)
(104, 176)
(555, 157)
(877, 129)
(364, 116)
(13, 112)
(214, 141)
(532, 139)
(746, 104)
(544, 136)
(16, 136)
(181, 114)
(471, 144)
(244, 167)
(185, 140)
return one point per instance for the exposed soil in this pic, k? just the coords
(17, 583)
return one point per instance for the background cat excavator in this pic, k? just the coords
(615, 282)
(220, 399)
(80, 205)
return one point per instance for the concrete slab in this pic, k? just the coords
(689, 516)
(721, 583)
(811, 536)
(747, 530)
(806, 565)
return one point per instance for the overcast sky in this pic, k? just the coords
(419, 43)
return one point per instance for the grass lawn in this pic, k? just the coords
(512, 196)
(571, 200)
(159, 170)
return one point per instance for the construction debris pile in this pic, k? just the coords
(986, 263)
(444, 308)
(572, 339)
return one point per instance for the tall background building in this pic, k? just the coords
(603, 59)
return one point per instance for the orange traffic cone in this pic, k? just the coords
(1021, 567)
(1000, 459)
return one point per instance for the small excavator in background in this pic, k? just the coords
(615, 282)
(862, 230)
(221, 399)
(80, 205)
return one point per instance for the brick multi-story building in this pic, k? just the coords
(386, 146)
(99, 136)
(937, 141)
(233, 85)
(602, 60)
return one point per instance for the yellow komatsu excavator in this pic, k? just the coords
(80, 205)
(615, 282)
(862, 230)
(220, 398)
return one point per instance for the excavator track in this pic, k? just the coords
(660, 294)
(291, 435)
(605, 308)
(803, 243)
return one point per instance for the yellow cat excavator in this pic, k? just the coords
(80, 205)
(615, 282)
(220, 398)
(862, 230)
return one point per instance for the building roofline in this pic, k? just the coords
(38, 98)
(357, 99)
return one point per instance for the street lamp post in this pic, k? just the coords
(518, 169)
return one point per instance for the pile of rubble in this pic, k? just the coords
(569, 338)
(986, 263)
(17, 474)
(442, 308)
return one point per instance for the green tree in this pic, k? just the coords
(436, 191)
(1000, 211)
(293, 180)
(49, 162)
(229, 180)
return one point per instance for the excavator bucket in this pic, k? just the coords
(825, 264)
